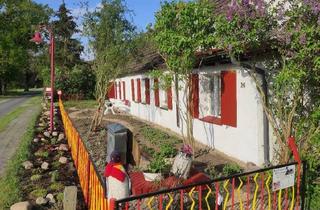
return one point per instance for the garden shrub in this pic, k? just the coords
(231, 169)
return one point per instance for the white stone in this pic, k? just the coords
(63, 147)
(46, 134)
(26, 205)
(45, 166)
(42, 201)
(36, 140)
(41, 125)
(54, 133)
(60, 137)
(43, 139)
(63, 160)
(70, 198)
(27, 165)
(47, 113)
(51, 199)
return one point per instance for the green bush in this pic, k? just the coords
(211, 171)
(80, 81)
(40, 192)
(158, 137)
(35, 177)
(158, 164)
(230, 169)
(168, 150)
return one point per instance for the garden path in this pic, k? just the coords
(11, 136)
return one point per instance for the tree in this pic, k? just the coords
(68, 49)
(284, 39)
(16, 21)
(180, 29)
(110, 35)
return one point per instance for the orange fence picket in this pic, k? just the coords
(92, 187)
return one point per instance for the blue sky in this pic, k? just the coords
(143, 12)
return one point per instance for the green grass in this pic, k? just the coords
(5, 120)
(10, 186)
(20, 92)
(81, 104)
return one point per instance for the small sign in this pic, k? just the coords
(283, 177)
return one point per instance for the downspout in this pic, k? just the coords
(266, 136)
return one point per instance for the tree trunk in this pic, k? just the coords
(26, 82)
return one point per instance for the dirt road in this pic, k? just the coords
(11, 136)
(9, 104)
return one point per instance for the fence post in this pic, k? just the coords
(303, 186)
(112, 204)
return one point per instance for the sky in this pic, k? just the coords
(143, 13)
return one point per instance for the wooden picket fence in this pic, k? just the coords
(93, 187)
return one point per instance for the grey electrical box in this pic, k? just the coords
(117, 140)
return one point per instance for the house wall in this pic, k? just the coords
(243, 142)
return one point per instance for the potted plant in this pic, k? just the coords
(182, 162)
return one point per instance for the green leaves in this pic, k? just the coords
(180, 29)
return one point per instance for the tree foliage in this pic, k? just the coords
(68, 49)
(17, 19)
(182, 28)
(284, 39)
(110, 34)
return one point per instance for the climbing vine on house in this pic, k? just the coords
(283, 40)
(180, 29)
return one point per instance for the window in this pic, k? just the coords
(210, 95)
(163, 98)
(214, 97)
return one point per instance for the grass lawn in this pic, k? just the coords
(10, 184)
(81, 104)
(5, 120)
(20, 92)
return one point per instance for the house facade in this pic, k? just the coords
(226, 109)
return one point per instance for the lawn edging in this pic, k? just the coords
(10, 188)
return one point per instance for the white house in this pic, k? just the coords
(227, 113)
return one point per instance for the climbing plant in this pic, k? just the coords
(182, 28)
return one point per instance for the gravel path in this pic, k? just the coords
(11, 136)
(10, 104)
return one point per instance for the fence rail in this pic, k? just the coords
(251, 190)
(92, 186)
(246, 191)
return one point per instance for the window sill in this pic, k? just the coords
(212, 119)
(164, 108)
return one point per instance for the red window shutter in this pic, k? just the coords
(194, 106)
(229, 98)
(139, 90)
(124, 90)
(169, 95)
(119, 86)
(156, 92)
(147, 87)
(132, 89)
(111, 90)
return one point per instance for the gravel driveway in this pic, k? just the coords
(11, 136)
